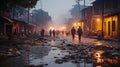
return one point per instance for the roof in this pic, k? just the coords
(5, 19)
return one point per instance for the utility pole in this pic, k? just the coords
(29, 1)
(84, 11)
(28, 14)
(102, 14)
(41, 6)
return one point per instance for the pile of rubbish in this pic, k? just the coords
(9, 51)
(90, 54)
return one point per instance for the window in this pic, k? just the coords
(113, 25)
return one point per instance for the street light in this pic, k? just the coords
(75, 24)
(84, 11)
(29, 2)
(31, 17)
(98, 19)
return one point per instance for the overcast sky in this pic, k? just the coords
(57, 8)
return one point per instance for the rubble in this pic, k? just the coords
(59, 61)
(42, 65)
(69, 52)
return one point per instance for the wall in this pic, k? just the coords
(110, 27)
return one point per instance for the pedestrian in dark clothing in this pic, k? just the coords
(50, 32)
(79, 31)
(42, 32)
(53, 33)
(73, 31)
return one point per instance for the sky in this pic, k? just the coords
(57, 9)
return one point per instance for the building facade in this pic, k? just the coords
(106, 17)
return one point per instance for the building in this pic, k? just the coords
(106, 17)
(112, 19)
(6, 25)
(87, 13)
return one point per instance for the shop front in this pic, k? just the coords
(111, 26)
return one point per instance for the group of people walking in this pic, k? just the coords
(79, 32)
(73, 32)
(52, 32)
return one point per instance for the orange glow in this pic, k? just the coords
(98, 56)
(108, 26)
(63, 28)
(75, 24)
(98, 66)
(79, 24)
(112, 61)
(98, 24)
(52, 28)
(98, 19)
(98, 43)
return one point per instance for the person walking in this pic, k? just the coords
(53, 33)
(50, 32)
(79, 32)
(73, 31)
(42, 32)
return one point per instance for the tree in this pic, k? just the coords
(17, 12)
(40, 17)
(7, 5)
(75, 11)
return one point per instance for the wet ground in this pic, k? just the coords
(63, 52)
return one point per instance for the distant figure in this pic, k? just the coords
(73, 31)
(53, 33)
(63, 32)
(79, 31)
(42, 32)
(50, 32)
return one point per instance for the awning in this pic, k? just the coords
(5, 19)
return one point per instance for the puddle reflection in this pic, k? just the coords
(98, 56)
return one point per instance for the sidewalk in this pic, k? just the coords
(106, 39)
(92, 41)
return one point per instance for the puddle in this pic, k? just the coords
(47, 55)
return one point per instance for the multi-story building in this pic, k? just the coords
(106, 17)
(112, 19)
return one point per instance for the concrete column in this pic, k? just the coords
(119, 26)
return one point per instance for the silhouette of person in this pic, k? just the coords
(53, 33)
(79, 31)
(42, 32)
(73, 31)
(50, 32)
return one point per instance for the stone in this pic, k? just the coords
(59, 61)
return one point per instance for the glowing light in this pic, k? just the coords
(98, 66)
(63, 28)
(75, 24)
(98, 19)
(52, 28)
(98, 43)
(79, 24)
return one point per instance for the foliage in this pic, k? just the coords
(40, 17)
(9, 4)
(17, 11)
(75, 11)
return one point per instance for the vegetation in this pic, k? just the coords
(39, 16)
(8, 5)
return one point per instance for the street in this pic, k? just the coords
(61, 51)
(59, 33)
